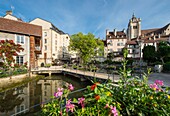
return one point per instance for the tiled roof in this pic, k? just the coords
(121, 35)
(155, 31)
(143, 32)
(19, 27)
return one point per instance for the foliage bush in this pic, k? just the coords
(47, 65)
(74, 66)
(13, 72)
(130, 97)
(166, 67)
(65, 66)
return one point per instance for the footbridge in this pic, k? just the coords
(83, 75)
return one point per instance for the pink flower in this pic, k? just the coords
(159, 82)
(107, 106)
(59, 92)
(69, 106)
(81, 101)
(70, 87)
(154, 86)
(113, 110)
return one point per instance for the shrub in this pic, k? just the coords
(166, 67)
(65, 66)
(74, 67)
(47, 65)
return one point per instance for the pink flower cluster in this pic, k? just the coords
(59, 93)
(113, 109)
(69, 106)
(81, 101)
(159, 82)
(70, 87)
(156, 85)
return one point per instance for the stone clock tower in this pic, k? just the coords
(134, 27)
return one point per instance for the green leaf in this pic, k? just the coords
(127, 111)
(95, 90)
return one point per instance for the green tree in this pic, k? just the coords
(87, 46)
(163, 51)
(149, 53)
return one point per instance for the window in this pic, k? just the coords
(134, 27)
(20, 39)
(55, 48)
(119, 49)
(45, 47)
(45, 41)
(19, 59)
(120, 44)
(45, 93)
(55, 42)
(45, 34)
(20, 108)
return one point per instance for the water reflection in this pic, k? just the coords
(48, 87)
(25, 100)
(14, 100)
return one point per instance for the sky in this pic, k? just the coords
(95, 16)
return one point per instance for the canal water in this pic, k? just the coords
(26, 100)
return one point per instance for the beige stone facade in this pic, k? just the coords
(115, 41)
(55, 42)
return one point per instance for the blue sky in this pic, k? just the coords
(95, 16)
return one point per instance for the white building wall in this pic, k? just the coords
(26, 45)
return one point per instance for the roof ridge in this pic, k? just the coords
(19, 21)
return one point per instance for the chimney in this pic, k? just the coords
(9, 12)
(124, 30)
(159, 36)
(107, 32)
(115, 32)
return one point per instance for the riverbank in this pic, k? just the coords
(10, 82)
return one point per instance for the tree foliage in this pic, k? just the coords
(87, 46)
(8, 49)
(163, 51)
(149, 53)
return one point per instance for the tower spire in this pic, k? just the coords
(133, 15)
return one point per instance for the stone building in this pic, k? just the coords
(135, 39)
(116, 41)
(25, 34)
(55, 42)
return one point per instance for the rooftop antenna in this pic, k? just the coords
(12, 8)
